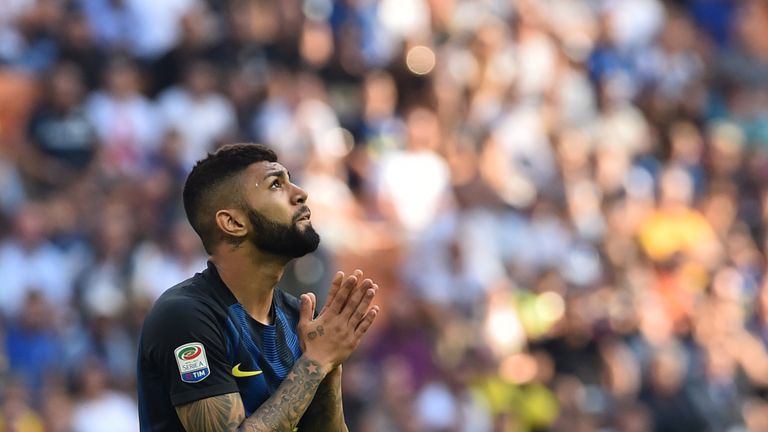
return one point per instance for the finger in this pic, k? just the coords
(355, 297)
(363, 305)
(358, 275)
(335, 285)
(366, 323)
(340, 299)
(313, 300)
(305, 312)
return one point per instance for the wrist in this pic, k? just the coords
(324, 367)
(334, 374)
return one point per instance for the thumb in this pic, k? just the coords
(307, 311)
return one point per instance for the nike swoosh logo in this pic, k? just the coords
(240, 374)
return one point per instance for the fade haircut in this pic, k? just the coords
(213, 185)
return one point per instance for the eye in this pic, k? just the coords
(275, 184)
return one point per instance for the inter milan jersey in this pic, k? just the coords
(198, 342)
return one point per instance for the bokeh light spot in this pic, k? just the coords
(518, 368)
(550, 306)
(420, 60)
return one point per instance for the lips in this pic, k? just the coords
(304, 216)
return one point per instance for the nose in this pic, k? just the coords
(299, 196)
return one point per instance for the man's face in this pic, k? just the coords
(278, 213)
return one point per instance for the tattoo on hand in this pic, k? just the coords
(314, 333)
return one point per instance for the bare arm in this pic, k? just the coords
(216, 414)
(281, 412)
(326, 412)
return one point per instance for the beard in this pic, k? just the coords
(287, 240)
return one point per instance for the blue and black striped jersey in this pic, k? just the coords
(198, 342)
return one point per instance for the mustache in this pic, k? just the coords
(300, 213)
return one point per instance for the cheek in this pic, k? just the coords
(274, 211)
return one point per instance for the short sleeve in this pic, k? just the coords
(186, 348)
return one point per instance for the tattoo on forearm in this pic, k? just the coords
(282, 411)
(217, 414)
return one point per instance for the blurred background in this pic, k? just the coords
(563, 201)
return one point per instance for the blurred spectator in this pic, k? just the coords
(673, 67)
(126, 121)
(414, 183)
(57, 409)
(29, 35)
(30, 262)
(23, 89)
(297, 121)
(159, 267)
(102, 286)
(564, 201)
(197, 42)
(198, 112)
(33, 348)
(12, 192)
(144, 28)
(716, 395)
(62, 139)
(670, 403)
(17, 413)
(381, 128)
(98, 405)
(675, 227)
(78, 45)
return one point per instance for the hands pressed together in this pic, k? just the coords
(338, 329)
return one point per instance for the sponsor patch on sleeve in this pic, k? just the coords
(193, 365)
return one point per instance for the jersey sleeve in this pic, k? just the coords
(183, 342)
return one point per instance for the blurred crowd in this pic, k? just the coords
(562, 200)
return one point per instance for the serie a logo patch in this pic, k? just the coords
(193, 365)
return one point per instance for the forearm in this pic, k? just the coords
(280, 413)
(326, 412)
(283, 410)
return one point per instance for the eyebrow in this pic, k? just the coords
(278, 173)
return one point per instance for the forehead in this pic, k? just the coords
(259, 170)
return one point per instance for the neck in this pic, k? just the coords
(251, 276)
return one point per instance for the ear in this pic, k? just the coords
(231, 222)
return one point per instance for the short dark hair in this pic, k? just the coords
(212, 185)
